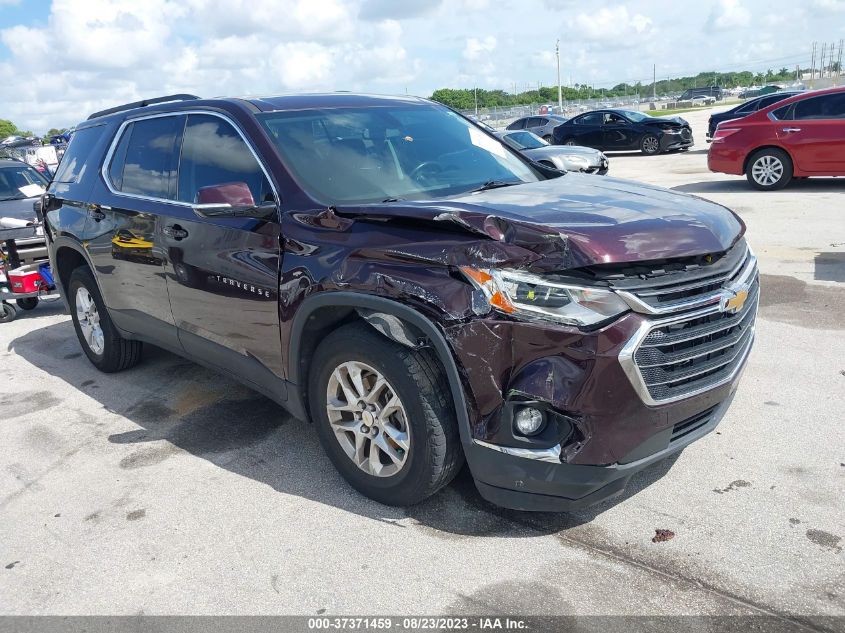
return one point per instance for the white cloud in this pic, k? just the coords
(728, 14)
(477, 48)
(614, 26)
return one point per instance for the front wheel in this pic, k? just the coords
(548, 138)
(769, 169)
(569, 141)
(7, 312)
(28, 303)
(384, 415)
(650, 145)
(102, 343)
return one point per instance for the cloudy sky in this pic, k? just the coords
(63, 59)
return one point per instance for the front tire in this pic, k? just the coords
(548, 138)
(7, 312)
(28, 303)
(569, 141)
(650, 145)
(769, 169)
(384, 415)
(107, 350)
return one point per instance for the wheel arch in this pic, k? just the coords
(396, 321)
(762, 147)
(68, 255)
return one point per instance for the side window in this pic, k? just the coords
(826, 107)
(517, 125)
(144, 162)
(752, 106)
(542, 122)
(591, 118)
(783, 114)
(213, 153)
(533, 122)
(74, 165)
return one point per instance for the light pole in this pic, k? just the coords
(559, 89)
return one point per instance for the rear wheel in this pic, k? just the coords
(384, 415)
(100, 340)
(569, 141)
(548, 138)
(27, 304)
(650, 145)
(769, 169)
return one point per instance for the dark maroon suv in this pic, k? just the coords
(422, 293)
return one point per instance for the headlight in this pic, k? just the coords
(672, 130)
(523, 294)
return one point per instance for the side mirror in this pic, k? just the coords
(231, 199)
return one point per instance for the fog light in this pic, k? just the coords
(528, 420)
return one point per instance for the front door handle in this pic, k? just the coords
(175, 232)
(791, 129)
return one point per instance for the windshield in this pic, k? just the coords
(524, 140)
(636, 117)
(375, 154)
(20, 181)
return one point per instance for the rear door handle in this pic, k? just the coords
(791, 129)
(175, 232)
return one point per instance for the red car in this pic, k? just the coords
(795, 138)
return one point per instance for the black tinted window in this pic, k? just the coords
(783, 114)
(75, 162)
(149, 163)
(213, 153)
(119, 159)
(517, 125)
(591, 118)
(825, 107)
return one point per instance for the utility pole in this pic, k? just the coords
(813, 63)
(559, 89)
(476, 101)
(654, 82)
(821, 63)
(839, 60)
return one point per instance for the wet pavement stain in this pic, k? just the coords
(148, 456)
(72, 356)
(25, 402)
(12, 564)
(790, 300)
(734, 485)
(136, 514)
(825, 540)
(794, 521)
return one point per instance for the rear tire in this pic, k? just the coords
(769, 169)
(107, 350)
(548, 138)
(569, 141)
(421, 447)
(27, 304)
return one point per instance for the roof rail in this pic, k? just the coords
(141, 104)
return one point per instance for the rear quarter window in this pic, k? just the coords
(76, 162)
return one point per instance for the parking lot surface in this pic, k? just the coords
(168, 489)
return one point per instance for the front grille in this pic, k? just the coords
(694, 354)
(700, 330)
(691, 425)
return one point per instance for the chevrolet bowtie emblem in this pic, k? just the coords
(732, 301)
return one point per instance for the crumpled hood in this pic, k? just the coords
(663, 120)
(579, 220)
(563, 150)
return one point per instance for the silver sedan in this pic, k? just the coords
(565, 157)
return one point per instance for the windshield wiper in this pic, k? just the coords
(12, 198)
(495, 184)
(393, 199)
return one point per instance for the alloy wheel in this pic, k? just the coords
(651, 145)
(368, 419)
(88, 318)
(767, 170)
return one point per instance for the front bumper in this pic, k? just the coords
(671, 142)
(518, 483)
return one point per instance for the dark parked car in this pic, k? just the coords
(800, 137)
(20, 186)
(542, 126)
(620, 130)
(714, 92)
(744, 109)
(418, 290)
